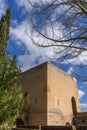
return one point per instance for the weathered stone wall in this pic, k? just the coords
(50, 90)
(35, 83)
(52, 128)
(62, 87)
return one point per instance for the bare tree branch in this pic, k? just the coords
(61, 24)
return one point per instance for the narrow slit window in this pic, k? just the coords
(58, 102)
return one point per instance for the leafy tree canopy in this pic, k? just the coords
(12, 101)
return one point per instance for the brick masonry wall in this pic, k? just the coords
(54, 128)
(50, 90)
(62, 87)
(35, 84)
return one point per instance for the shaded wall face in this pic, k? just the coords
(61, 89)
(50, 91)
(35, 84)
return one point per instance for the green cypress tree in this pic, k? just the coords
(4, 32)
(12, 101)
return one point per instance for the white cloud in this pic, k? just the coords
(85, 82)
(19, 34)
(29, 61)
(83, 107)
(36, 55)
(3, 7)
(80, 59)
(70, 70)
(19, 3)
(81, 93)
(28, 3)
(23, 3)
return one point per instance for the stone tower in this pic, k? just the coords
(50, 90)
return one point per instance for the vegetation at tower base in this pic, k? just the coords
(12, 101)
(61, 24)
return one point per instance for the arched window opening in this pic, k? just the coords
(74, 109)
(26, 94)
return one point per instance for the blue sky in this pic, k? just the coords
(29, 55)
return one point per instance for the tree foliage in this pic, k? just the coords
(61, 24)
(12, 101)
